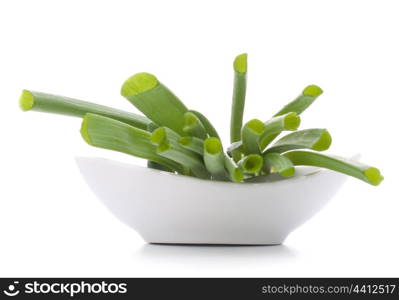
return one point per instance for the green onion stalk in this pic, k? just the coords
(166, 141)
(155, 101)
(107, 133)
(315, 139)
(346, 166)
(49, 103)
(214, 158)
(240, 85)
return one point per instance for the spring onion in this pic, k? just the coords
(273, 127)
(155, 101)
(42, 102)
(303, 101)
(315, 139)
(191, 161)
(174, 139)
(192, 143)
(346, 166)
(235, 173)
(251, 132)
(276, 163)
(211, 131)
(251, 164)
(240, 85)
(236, 151)
(214, 158)
(193, 126)
(107, 133)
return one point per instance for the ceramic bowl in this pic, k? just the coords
(169, 208)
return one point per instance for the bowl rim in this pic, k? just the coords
(273, 179)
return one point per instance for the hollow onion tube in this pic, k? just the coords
(162, 135)
(206, 123)
(155, 101)
(251, 164)
(151, 164)
(214, 158)
(237, 109)
(192, 143)
(193, 126)
(352, 168)
(107, 133)
(236, 151)
(303, 101)
(183, 157)
(234, 171)
(273, 127)
(314, 139)
(42, 102)
(276, 163)
(250, 134)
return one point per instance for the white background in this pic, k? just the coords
(50, 222)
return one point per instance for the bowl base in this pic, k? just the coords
(215, 244)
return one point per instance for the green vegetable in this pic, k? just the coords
(315, 139)
(193, 126)
(175, 139)
(251, 132)
(162, 135)
(303, 101)
(352, 168)
(235, 173)
(192, 143)
(214, 158)
(273, 127)
(251, 164)
(236, 151)
(186, 158)
(107, 133)
(240, 85)
(276, 163)
(157, 166)
(206, 123)
(155, 101)
(42, 102)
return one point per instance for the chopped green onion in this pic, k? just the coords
(107, 133)
(207, 124)
(152, 126)
(155, 101)
(151, 164)
(157, 166)
(162, 135)
(183, 157)
(234, 171)
(237, 109)
(353, 168)
(42, 102)
(251, 132)
(251, 164)
(192, 143)
(273, 127)
(315, 139)
(236, 151)
(303, 101)
(276, 163)
(214, 158)
(193, 126)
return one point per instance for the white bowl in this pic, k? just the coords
(168, 208)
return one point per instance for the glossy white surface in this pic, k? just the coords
(168, 208)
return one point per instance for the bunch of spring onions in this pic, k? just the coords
(174, 138)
